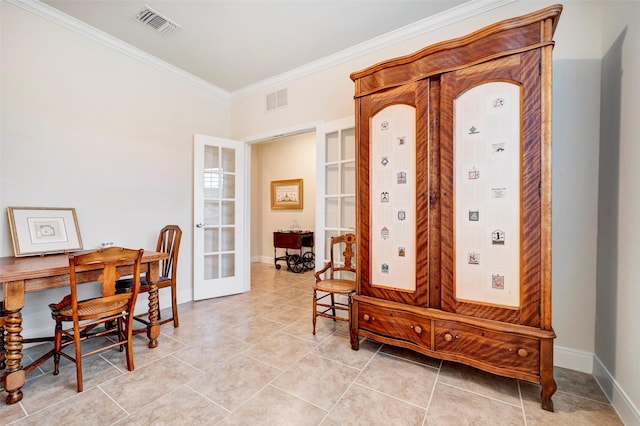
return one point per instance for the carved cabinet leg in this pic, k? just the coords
(547, 380)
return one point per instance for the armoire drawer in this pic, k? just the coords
(501, 350)
(397, 324)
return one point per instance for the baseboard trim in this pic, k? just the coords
(628, 412)
(573, 359)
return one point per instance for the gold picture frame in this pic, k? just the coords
(287, 194)
(43, 230)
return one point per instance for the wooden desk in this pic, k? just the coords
(20, 275)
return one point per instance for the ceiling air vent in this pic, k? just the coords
(156, 21)
(276, 99)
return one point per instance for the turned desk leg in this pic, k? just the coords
(153, 329)
(353, 324)
(14, 374)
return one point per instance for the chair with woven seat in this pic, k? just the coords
(168, 242)
(114, 311)
(340, 280)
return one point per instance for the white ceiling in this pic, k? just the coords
(233, 44)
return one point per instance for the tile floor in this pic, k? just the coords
(252, 359)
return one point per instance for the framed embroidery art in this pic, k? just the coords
(43, 230)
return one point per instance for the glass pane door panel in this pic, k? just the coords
(228, 265)
(211, 240)
(348, 212)
(228, 186)
(348, 144)
(228, 240)
(212, 212)
(211, 267)
(327, 247)
(347, 178)
(331, 213)
(228, 160)
(333, 147)
(332, 179)
(228, 212)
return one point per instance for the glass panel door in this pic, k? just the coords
(218, 207)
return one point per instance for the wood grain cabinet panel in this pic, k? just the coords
(453, 152)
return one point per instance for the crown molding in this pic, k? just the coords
(447, 17)
(53, 15)
(432, 23)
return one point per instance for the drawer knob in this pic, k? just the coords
(417, 329)
(448, 337)
(522, 352)
(366, 317)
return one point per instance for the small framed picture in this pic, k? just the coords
(43, 230)
(286, 194)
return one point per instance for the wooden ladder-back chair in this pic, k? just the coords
(114, 310)
(336, 283)
(168, 242)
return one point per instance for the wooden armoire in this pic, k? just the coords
(454, 200)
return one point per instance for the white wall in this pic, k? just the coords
(88, 127)
(292, 157)
(617, 339)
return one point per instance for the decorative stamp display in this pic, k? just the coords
(402, 215)
(474, 174)
(402, 140)
(474, 215)
(497, 282)
(402, 251)
(384, 268)
(473, 258)
(497, 237)
(384, 125)
(497, 148)
(498, 192)
(498, 103)
(384, 161)
(473, 130)
(401, 178)
(384, 197)
(384, 233)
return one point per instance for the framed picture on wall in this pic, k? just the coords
(43, 230)
(286, 194)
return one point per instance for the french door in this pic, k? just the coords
(335, 183)
(220, 249)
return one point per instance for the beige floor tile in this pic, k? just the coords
(233, 383)
(149, 383)
(285, 314)
(364, 406)
(399, 378)
(317, 380)
(338, 348)
(48, 389)
(254, 330)
(10, 413)
(578, 383)
(478, 381)
(281, 350)
(181, 407)
(410, 355)
(303, 329)
(454, 406)
(272, 406)
(568, 409)
(91, 404)
(211, 353)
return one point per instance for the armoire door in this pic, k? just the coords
(490, 200)
(394, 157)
